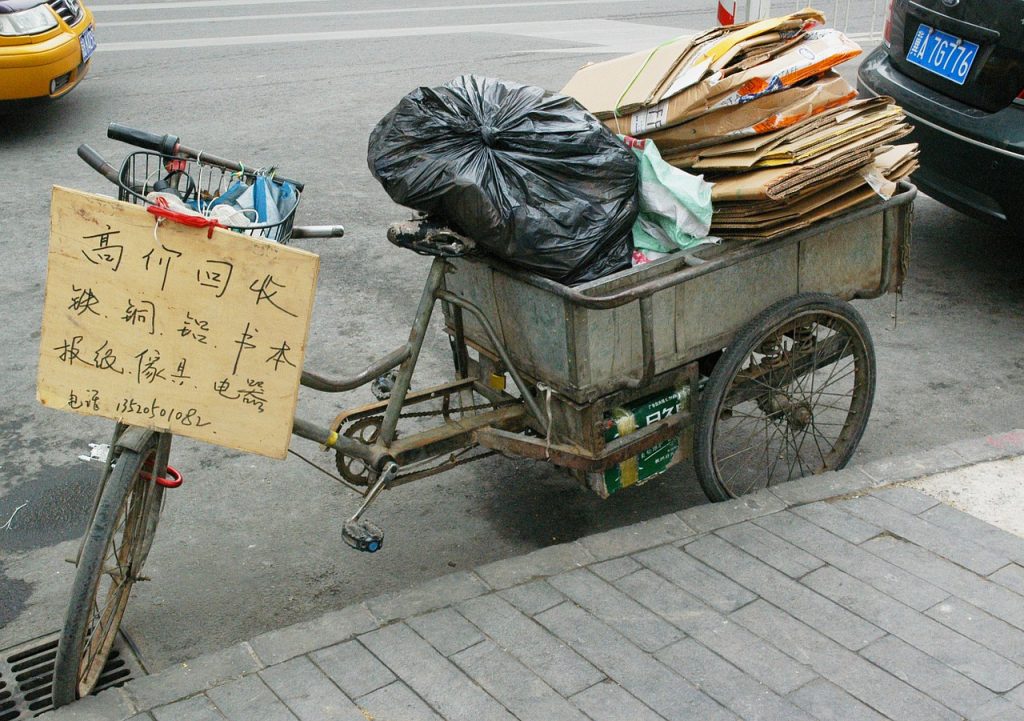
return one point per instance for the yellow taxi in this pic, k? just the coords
(45, 47)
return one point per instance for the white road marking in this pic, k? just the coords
(606, 33)
(159, 7)
(334, 13)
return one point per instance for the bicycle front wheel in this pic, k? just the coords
(116, 546)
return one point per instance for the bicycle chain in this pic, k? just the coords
(440, 412)
(379, 419)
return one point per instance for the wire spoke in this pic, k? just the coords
(829, 407)
(845, 371)
(739, 467)
(749, 438)
(775, 461)
(745, 417)
(791, 443)
(817, 445)
(842, 354)
(831, 423)
(831, 446)
(118, 562)
(800, 450)
(748, 415)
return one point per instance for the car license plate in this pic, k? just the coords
(88, 42)
(943, 54)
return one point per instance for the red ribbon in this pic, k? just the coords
(160, 209)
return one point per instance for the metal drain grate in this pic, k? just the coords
(26, 675)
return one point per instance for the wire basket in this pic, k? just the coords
(198, 183)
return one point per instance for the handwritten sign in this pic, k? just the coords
(162, 327)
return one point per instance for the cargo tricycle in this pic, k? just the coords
(745, 356)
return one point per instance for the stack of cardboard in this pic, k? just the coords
(787, 179)
(758, 108)
(765, 216)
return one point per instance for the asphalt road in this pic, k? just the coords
(249, 544)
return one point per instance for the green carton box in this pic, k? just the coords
(647, 464)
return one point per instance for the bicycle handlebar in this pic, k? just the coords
(169, 145)
(318, 231)
(97, 163)
(164, 144)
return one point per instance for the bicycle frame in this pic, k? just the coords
(454, 434)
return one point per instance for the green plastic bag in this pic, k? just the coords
(675, 207)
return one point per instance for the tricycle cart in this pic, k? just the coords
(745, 356)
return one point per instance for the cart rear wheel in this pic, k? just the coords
(790, 397)
(117, 543)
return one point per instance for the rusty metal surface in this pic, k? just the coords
(569, 456)
(533, 313)
(525, 393)
(339, 385)
(427, 394)
(454, 460)
(844, 260)
(453, 435)
(646, 342)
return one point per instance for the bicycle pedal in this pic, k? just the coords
(363, 536)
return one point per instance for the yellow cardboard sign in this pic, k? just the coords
(157, 325)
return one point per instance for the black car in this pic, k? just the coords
(957, 68)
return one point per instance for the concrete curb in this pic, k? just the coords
(190, 678)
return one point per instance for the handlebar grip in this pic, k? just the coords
(318, 231)
(165, 144)
(97, 163)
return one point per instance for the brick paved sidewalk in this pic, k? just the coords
(837, 597)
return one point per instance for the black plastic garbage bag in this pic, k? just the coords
(530, 175)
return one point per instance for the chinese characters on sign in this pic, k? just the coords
(173, 330)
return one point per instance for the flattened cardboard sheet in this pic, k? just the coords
(627, 84)
(815, 202)
(818, 51)
(778, 183)
(747, 152)
(763, 115)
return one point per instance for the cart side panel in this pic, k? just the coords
(585, 353)
(611, 343)
(535, 325)
(473, 282)
(711, 308)
(899, 222)
(580, 352)
(610, 340)
(845, 261)
(531, 323)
